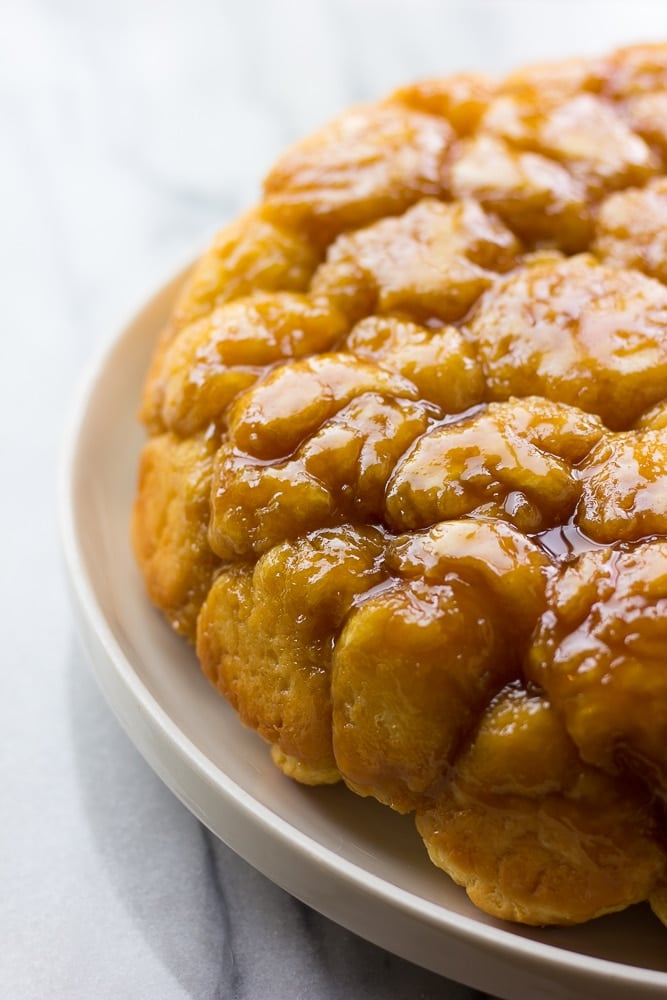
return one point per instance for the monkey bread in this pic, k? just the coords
(405, 482)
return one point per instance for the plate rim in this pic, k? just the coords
(98, 638)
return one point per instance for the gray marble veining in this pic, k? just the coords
(129, 132)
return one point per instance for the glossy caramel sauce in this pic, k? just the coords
(565, 542)
(406, 480)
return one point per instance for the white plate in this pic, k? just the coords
(351, 859)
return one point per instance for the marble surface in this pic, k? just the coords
(131, 130)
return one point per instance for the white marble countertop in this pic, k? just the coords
(131, 130)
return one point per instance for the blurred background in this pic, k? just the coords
(130, 131)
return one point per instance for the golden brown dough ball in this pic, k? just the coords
(584, 133)
(537, 197)
(295, 400)
(371, 162)
(217, 357)
(265, 640)
(630, 229)
(431, 263)
(418, 661)
(534, 834)
(413, 667)
(577, 332)
(599, 654)
(624, 487)
(441, 363)
(509, 460)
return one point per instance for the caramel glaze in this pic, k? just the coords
(406, 485)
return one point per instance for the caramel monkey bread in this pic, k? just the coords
(405, 486)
